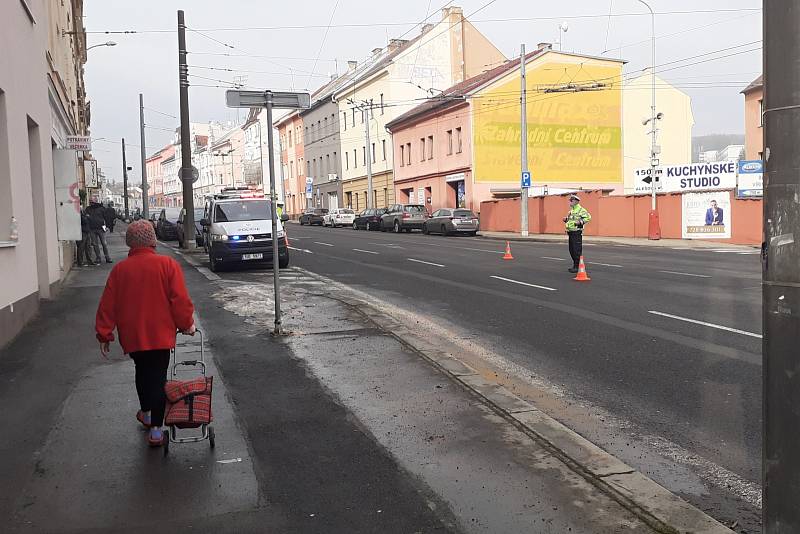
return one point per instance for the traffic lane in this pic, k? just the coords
(684, 262)
(664, 386)
(641, 292)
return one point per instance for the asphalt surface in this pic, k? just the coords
(681, 401)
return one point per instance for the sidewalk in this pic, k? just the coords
(629, 241)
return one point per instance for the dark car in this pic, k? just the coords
(313, 216)
(167, 224)
(198, 228)
(404, 217)
(447, 221)
(154, 218)
(369, 219)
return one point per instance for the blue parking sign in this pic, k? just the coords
(526, 179)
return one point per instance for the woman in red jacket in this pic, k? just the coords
(146, 300)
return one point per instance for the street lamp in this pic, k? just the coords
(109, 43)
(654, 226)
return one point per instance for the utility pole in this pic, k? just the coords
(781, 278)
(145, 197)
(186, 173)
(654, 225)
(125, 180)
(368, 153)
(523, 197)
(274, 209)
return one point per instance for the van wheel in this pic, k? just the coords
(425, 229)
(355, 226)
(213, 265)
(396, 227)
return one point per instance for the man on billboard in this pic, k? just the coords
(714, 215)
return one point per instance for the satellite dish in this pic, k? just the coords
(564, 26)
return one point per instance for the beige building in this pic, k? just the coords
(42, 100)
(753, 119)
(391, 82)
(674, 134)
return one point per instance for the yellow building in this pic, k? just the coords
(674, 134)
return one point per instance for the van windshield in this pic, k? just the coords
(242, 210)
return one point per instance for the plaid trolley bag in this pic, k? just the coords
(189, 402)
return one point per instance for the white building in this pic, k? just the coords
(41, 101)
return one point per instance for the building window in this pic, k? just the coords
(354, 117)
(761, 112)
(309, 169)
(325, 129)
(290, 138)
(458, 140)
(347, 160)
(335, 164)
(383, 148)
(449, 142)
(6, 208)
(381, 103)
(408, 153)
(430, 147)
(344, 120)
(291, 169)
(373, 152)
(362, 116)
(422, 149)
(327, 164)
(364, 154)
(402, 155)
(355, 159)
(333, 119)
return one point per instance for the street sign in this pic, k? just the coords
(258, 99)
(309, 180)
(309, 188)
(526, 179)
(90, 173)
(750, 182)
(79, 142)
(190, 175)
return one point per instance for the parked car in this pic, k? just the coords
(153, 217)
(404, 217)
(369, 219)
(448, 221)
(313, 216)
(339, 217)
(198, 228)
(167, 224)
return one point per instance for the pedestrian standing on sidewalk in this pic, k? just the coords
(97, 222)
(146, 300)
(575, 220)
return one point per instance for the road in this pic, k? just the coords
(657, 359)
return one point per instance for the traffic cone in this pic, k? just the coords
(507, 255)
(582, 276)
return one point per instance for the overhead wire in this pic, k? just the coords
(322, 44)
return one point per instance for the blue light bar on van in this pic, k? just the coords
(236, 237)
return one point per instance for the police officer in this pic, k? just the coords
(575, 219)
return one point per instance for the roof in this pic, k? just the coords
(758, 83)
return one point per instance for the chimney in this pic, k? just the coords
(452, 10)
(376, 51)
(394, 44)
(351, 65)
(544, 46)
(426, 28)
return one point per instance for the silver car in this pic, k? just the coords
(448, 221)
(404, 217)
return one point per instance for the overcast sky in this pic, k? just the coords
(147, 62)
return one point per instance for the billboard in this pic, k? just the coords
(687, 178)
(572, 136)
(706, 215)
(751, 179)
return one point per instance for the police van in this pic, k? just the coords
(237, 229)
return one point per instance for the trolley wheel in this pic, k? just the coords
(211, 436)
(166, 443)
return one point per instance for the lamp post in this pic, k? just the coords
(654, 226)
(109, 43)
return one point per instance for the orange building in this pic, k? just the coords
(753, 119)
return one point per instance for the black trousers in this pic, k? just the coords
(575, 246)
(151, 375)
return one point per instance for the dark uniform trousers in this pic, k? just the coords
(575, 246)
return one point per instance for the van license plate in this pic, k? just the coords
(252, 256)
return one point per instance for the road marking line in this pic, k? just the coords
(208, 274)
(554, 259)
(301, 250)
(483, 250)
(230, 461)
(324, 244)
(523, 283)
(686, 274)
(425, 262)
(603, 264)
(712, 325)
(365, 251)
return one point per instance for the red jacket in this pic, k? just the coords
(146, 300)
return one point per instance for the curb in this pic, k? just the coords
(659, 508)
(611, 241)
